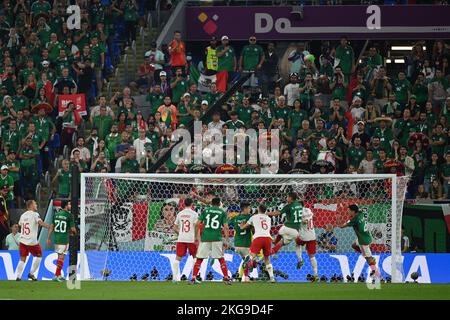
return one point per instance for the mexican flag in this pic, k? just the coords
(336, 212)
(204, 82)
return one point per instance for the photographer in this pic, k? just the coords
(380, 88)
(338, 86)
(307, 92)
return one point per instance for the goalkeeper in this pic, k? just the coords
(364, 239)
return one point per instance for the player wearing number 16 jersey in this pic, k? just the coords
(214, 219)
(185, 225)
(29, 224)
(61, 226)
(262, 240)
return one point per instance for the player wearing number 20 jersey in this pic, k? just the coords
(185, 225)
(62, 224)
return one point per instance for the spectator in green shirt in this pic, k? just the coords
(179, 86)
(252, 59)
(64, 179)
(227, 57)
(41, 6)
(103, 123)
(402, 89)
(129, 162)
(346, 56)
(438, 140)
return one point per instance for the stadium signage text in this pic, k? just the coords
(432, 268)
(284, 22)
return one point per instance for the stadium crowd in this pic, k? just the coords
(335, 114)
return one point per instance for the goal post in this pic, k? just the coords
(126, 225)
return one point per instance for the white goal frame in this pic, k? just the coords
(396, 257)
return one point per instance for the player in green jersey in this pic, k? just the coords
(362, 244)
(62, 224)
(293, 212)
(213, 219)
(242, 238)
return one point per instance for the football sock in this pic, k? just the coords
(197, 266)
(374, 268)
(277, 247)
(36, 263)
(176, 269)
(223, 266)
(20, 268)
(314, 265)
(241, 269)
(298, 252)
(269, 270)
(59, 265)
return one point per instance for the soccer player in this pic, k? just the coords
(289, 231)
(186, 227)
(242, 238)
(62, 224)
(29, 223)
(262, 240)
(364, 239)
(307, 236)
(214, 219)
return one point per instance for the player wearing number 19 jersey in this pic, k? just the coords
(29, 224)
(61, 226)
(213, 219)
(364, 239)
(289, 231)
(262, 240)
(185, 226)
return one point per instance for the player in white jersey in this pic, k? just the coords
(29, 224)
(307, 236)
(262, 240)
(184, 225)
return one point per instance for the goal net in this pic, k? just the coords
(126, 230)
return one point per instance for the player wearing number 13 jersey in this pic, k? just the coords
(62, 224)
(262, 240)
(29, 224)
(213, 219)
(185, 226)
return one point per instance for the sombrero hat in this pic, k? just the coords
(383, 118)
(44, 105)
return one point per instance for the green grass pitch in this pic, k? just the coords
(100, 290)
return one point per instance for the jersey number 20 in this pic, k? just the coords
(61, 226)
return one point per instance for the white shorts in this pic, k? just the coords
(61, 248)
(365, 249)
(288, 234)
(242, 251)
(212, 249)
